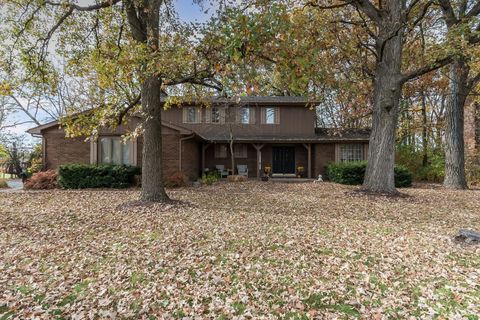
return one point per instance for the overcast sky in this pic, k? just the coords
(187, 10)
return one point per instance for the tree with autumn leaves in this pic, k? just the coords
(371, 48)
(360, 53)
(131, 51)
(390, 24)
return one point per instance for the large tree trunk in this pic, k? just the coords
(454, 127)
(144, 20)
(152, 163)
(379, 176)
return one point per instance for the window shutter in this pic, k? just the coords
(199, 115)
(222, 115)
(185, 110)
(93, 151)
(238, 111)
(252, 115)
(208, 115)
(277, 115)
(263, 114)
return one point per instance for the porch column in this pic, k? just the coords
(258, 147)
(308, 146)
(204, 148)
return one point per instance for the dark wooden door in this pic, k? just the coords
(283, 160)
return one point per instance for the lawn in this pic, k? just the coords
(239, 250)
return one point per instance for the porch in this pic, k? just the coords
(280, 160)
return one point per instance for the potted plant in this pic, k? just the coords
(300, 171)
(266, 173)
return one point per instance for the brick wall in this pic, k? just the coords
(191, 158)
(60, 150)
(323, 154)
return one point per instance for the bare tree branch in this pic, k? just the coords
(426, 69)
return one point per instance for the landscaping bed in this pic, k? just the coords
(251, 249)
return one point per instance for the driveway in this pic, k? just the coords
(14, 184)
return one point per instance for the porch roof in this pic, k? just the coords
(320, 135)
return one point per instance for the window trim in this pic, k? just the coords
(198, 115)
(338, 152)
(209, 115)
(96, 150)
(241, 116)
(251, 115)
(276, 115)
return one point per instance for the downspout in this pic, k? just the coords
(180, 150)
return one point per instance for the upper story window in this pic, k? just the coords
(351, 152)
(215, 112)
(270, 115)
(246, 115)
(215, 115)
(114, 151)
(240, 150)
(192, 115)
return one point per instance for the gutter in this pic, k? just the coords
(180, 149)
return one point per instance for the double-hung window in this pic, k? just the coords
(246, 115)
(191, 115)
(270, 115)
(215, 115)
(114, 151)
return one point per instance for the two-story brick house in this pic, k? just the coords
(274, 132)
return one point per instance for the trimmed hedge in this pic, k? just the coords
(353, 173)
(81, 176)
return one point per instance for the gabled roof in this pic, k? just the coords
(38, 130)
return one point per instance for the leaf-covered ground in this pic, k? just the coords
(245, 250)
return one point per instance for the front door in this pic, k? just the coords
(283, 160)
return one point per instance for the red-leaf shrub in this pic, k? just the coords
(176, 180)
(42, 181)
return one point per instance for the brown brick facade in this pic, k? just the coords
(323, 154)
(60, 150)
(191, 158)
(183, 142)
